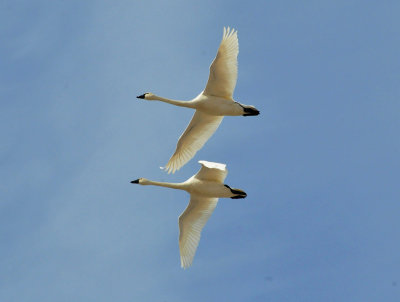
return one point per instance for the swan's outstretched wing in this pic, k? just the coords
(199, 130)
(210, 171)
(223, 70)
(191, 222)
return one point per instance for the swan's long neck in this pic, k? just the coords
(188, 104)
(178, 186)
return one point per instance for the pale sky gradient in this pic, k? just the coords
(320, 164)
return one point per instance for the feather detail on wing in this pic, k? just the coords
(191, 223)
(210, 171)
(200, 129)
(223, 70)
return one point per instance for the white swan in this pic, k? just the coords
(204, 188)
(212, 104)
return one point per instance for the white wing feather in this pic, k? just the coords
(200, 129)
(211, 171)
(191, 223)
(223, 70)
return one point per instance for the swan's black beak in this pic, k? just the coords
(135, 181)
(141, 96)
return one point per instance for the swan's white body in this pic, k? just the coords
(212, 104)
(204, 188)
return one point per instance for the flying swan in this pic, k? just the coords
(204, 188)
(212, 104)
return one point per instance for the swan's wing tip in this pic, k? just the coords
(169, 169)
(229, 31)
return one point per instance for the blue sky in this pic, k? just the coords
(320, 164)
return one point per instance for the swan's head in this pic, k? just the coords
(146, 96)
(140, 181)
